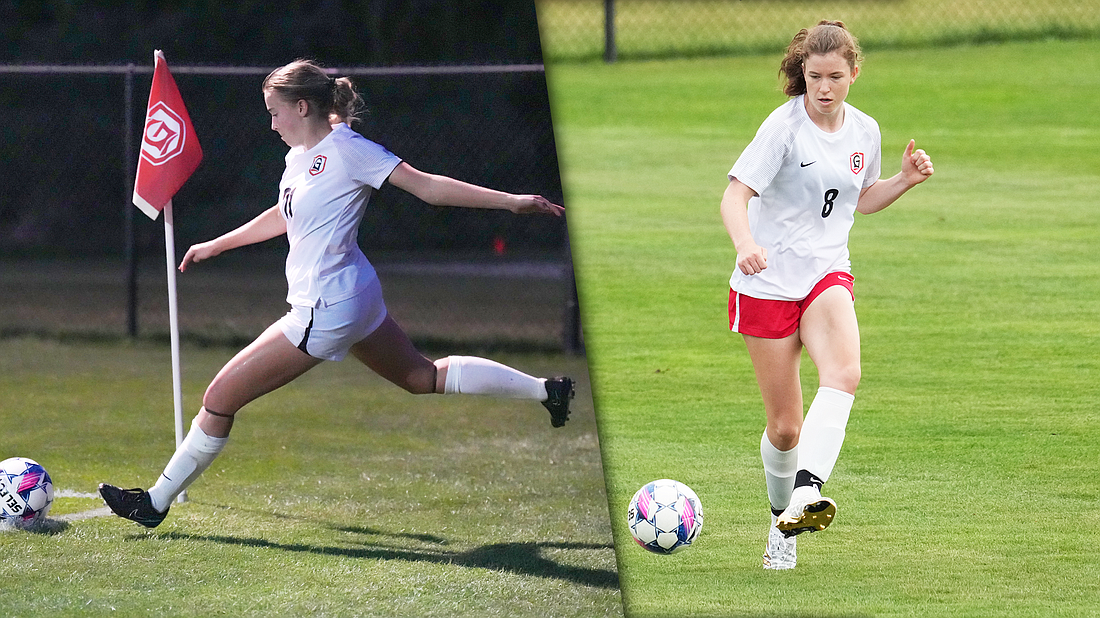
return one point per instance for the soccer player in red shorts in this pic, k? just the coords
(790, 204)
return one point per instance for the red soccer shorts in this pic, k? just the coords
(776, 319)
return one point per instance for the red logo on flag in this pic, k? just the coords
(857, 162)
(318, 165)
(165, 135)
(170, 150)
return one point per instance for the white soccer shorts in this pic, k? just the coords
(328, 332)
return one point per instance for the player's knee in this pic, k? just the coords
(216, 398)
(420, 381)
(416, 388)
(784, 436)
(845, 378)
(222, 406)
(849, 378)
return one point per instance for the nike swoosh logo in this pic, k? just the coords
(807, 164)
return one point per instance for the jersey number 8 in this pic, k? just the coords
(830, 196)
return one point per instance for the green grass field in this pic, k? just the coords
(968, 483)
(339, 495)
(645, 29)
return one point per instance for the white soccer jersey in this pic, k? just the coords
(808, 182)
(324, 193)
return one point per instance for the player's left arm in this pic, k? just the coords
(916, 167)
(445, 191)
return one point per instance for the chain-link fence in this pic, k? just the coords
(63, 137)
(577, 29)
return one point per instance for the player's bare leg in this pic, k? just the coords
(389, 353)
(831, 335)
(776, 362)
(268, 363)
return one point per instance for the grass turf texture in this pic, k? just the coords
(338, 495)
(968, 482)
(574, 29)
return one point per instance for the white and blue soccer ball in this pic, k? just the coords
(26, 492)
(665, 516)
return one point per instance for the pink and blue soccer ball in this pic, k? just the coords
(665, 516)
(26, 492)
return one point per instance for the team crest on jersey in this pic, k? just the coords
(857, 162)
(318, 165)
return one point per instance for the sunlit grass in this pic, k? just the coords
(968, 482)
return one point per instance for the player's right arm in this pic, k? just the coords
(267, 225)
(751, 257)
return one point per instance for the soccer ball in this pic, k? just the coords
(665, 516)
(26, 492)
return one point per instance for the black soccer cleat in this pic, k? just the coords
(133, 504)
(558, 393)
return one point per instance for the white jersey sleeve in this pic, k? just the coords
(366, 162)
(762, 159)
(874, 156)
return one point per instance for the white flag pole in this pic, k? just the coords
(174, 327)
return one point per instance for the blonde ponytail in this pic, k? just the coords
(306, 80)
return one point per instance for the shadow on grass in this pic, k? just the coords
(520, 558)
(46, 527)
(423, 538)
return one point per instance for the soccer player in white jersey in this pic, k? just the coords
(336, 301)
(791, 201)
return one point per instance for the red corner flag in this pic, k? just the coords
(170, 150)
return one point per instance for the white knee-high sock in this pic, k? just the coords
(822, 435)
(779, 470)
(471, 375)
(194, 455)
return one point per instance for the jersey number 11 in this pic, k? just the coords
(288, 197)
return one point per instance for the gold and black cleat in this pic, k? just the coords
(815, 516)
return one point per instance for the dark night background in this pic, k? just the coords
(267, 33)
(61, 135)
